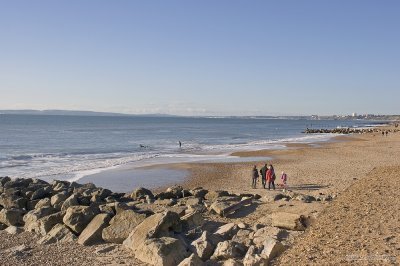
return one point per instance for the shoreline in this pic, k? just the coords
(182, 170)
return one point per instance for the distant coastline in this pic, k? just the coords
(55, 112)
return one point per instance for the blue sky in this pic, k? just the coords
(201, 57)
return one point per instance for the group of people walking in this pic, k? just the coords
(267, 174)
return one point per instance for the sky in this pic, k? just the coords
(225, 57)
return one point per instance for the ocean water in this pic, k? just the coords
(74, 147)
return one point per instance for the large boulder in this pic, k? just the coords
(227, 231)
(3, 180)
(165, 251)
(226, 205)
(10, 201)
(58, 234)
(229, 249)
(12, 217)
(192, 220)
(33, 216)
(152, 243)
(78, 217)
(41, 193)
(101, 193)
(203, 246)
(141, 193)
(69, 202)
(45, 224)
(157, 225)
(18, 183)
(43, 203)
(121, 225)
(272, 248)
(92, 233)
(212, 195)
(253, 258)
(58, 198)
(290, 221)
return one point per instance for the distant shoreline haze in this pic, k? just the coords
(95, 113)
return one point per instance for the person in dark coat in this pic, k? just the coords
(263, 173)
(254, 177)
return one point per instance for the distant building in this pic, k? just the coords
(354, 114)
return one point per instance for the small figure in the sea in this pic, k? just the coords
(271, 177)
(284, 181)
(142, 146)
(263, 173)
(180, 144)
(254, 177)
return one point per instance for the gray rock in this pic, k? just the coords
(157, 225)
(272, 248)
(41, 193)
(121, 225)
(102, 193)
(10, 201)
(59, 233)
(69, 202)
(165, 251)
(78, 217)
(289, 221)
(227, 231)
(3, 180)
(192, 220)
(213, 195)
(43, 203)
(253, 258)
(92, 234)
(141, 193)
(203, 246)
(199, 192)
(58, 198)
(45, 224)
(229, 249)
(12, 217)
(33, 216)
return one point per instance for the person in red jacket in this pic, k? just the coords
(271, 177)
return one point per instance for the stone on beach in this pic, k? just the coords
(203, 246)
(229, 249)
(151, 240)
(290, 221)
(78, 217)
(59, 233)
(272, 248)
(92, 234)
(33, 216)
(12, 217)
(141, 193)
(121, 225)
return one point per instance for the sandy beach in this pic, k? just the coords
(359, 226)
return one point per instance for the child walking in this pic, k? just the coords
(284, 181)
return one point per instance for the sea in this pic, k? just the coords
(118, 151)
